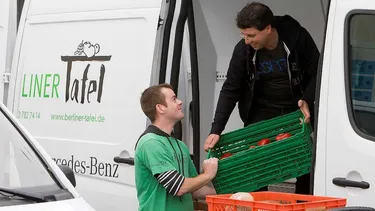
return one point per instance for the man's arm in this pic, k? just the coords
(203, 192)
(230, 91)
(192, 185)
(171, 181)
(153, 155)
(178, 185)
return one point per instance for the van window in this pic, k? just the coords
(361, 66)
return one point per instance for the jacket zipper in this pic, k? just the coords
(289, 73)
(255, 67)
(251, 77)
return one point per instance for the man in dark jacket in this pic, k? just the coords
(272, 72)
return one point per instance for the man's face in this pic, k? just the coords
(257, 39)
(173, 110)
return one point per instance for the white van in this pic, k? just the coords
(79, 67)
(29, 179)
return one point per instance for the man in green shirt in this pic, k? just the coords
(166, 178)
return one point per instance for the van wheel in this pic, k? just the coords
(353, 209)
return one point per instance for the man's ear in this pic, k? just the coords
(269, 29)
(159, 108)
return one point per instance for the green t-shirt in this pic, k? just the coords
(154, 155)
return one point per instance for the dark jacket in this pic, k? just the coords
(303, 58)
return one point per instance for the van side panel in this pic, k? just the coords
(80, 74)
(43, 7)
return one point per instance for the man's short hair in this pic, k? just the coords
(151, 97)
(255, 15)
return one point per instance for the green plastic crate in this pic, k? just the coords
(250, 169)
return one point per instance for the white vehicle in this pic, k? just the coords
(29, 179)
(78, 69)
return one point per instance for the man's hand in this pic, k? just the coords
(211, 140)
(305, 110)
(191, 185)
(210, 167)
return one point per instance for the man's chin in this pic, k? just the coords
(256, 47)
(181, 117)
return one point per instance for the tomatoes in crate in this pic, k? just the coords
(282, 136)
(225, 155)
(264, 142)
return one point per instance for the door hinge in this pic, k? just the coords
(221, 76)
(160, 22)
(189, 75)
(5, 78)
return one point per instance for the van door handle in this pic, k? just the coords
(129, 161)
(343, 182)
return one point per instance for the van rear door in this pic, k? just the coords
(8, 24)
(80, 70)
(346, 124)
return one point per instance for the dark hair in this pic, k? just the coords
(254, 15)
(151, 97)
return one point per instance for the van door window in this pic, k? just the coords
(20, 166)
(360, 73)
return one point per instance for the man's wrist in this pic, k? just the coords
(207, 176)
(216, 129)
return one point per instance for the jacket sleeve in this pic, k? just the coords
(231, 89)
(309, 54)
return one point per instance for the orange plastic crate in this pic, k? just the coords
(275, 202)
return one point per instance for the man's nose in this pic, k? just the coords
(248, 40)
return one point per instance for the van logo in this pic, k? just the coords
(87, 49)
(79, 89)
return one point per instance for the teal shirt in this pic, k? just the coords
(154, 155)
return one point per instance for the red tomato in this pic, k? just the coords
(252, 147)
(282, 136)
(264, 142)
(228, 154)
